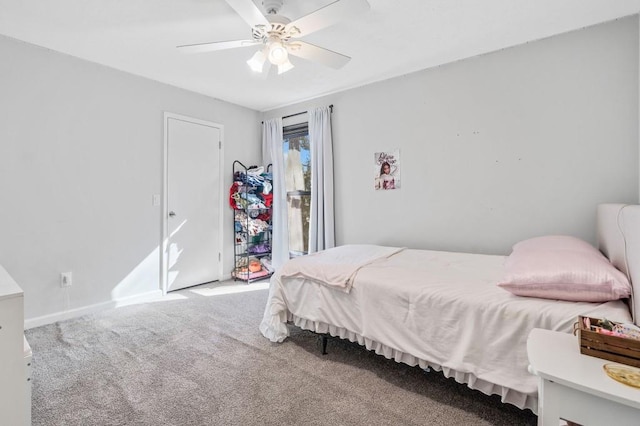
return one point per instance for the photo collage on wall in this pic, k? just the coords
(386, 169)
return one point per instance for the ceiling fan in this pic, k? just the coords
(278, 35)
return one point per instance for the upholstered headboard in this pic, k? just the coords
(619, 240)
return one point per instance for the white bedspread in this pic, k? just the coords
(336, 267)
(434, 309)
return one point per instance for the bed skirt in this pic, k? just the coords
(519, 399)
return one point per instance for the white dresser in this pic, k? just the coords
(15, 354)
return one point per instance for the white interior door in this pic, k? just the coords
(193, 203)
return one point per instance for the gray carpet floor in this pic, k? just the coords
(198, 358)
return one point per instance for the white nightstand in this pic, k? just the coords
(575, 387)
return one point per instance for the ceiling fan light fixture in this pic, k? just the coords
(278, 55)
(282, 68)
(277, 34)
(256, 63)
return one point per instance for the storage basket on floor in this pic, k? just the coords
(613, 348)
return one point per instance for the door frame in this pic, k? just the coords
(164, 239)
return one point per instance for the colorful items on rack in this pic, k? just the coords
(245, 275)
(246, 223)
(259, 248)
(251, 198)
(255, 265)
(253, 268)
(251, 190)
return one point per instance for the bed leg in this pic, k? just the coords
(324, 344)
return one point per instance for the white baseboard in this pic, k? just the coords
(84, 310)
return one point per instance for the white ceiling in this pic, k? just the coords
(392, 38)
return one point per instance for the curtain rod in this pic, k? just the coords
(303, 112)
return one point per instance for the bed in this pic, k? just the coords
(443, 310)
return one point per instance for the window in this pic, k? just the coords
(297, 167)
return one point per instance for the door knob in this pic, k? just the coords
(172, 214)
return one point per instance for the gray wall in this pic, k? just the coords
(497, 148)
(494, 149)
(81, 153)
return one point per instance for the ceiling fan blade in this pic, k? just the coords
(216, 45)
(249, 12)
(327, 16)
(318, 54)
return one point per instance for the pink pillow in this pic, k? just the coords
(564, 268)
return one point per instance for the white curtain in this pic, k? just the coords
(321, 226)
(272, 153)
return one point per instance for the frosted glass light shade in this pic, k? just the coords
(278, 55)
(282, 68)
(256, 63)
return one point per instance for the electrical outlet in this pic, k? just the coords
(66, 279)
